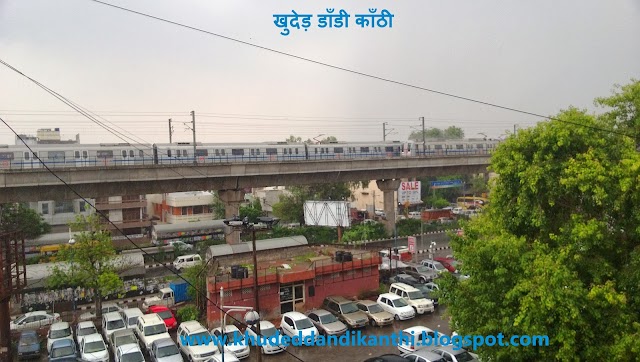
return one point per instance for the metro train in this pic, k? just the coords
(125, 154)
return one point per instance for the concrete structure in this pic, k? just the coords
(312, 275)
(268, 197)
(60, 213)
(127, 213)
(368, 198)
(46, 136)
(192, 206)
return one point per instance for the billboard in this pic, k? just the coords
(409, 191)
(326, 213)
(446, 184)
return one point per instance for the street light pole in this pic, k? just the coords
(256, 294)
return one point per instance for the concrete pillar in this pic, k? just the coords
(389, 188)
(232, 200)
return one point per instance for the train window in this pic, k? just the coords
(124, 154)
(272, 151)
(388, 149)
(315, 150)
(76, 154)
(6, 155)
(85, 154)
(131, 154)
(200, 152)
(459, 147)
(168, 153)
(322, 150)
(56, 155)
(338, 150)
(253, 152)
(26, 156)
(364, 149)
(257, 151)
(437, 147)
(217, 152)
(104, 154)
(296, 151)
(222, 152)
(237, 152)
(184, 153)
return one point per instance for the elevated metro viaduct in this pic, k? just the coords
(230, 179)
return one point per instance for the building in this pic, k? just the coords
(46, 136)
(127, 213)
(179, 207)
(369, 198)
(291, 276)
(60, 213)
(268, 197)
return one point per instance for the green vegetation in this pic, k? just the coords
(450, 133)
(21, 219)
(196, 277)
(314, 234)
(89, 262)
(290, 208)
(188, 313)
(365, 231)
(252, 211)
(558, 250)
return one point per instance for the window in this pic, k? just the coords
(388, 149)
(296, 151)
(338, 150)
(237, 152)
(322, 150)
(459, 147)
(168, 153)
(253, 152)
(63, 207)
(272, 151)
(222, 152)
(184, 153)
(364, 149)
(185, 210)
(45, 208)
(6, 155)
(124, 154)
(258, 151)
(141, 154)
(437, 147)
(131, 154)
(56, 155)
(315, 151)
(198, 209)
(217, 152)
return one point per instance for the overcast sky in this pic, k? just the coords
(538, 56)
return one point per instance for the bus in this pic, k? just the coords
(472, 202)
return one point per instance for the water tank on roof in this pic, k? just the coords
(339, 255)
(347, 256)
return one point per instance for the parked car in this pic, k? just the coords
(454, 354)
(294, 323)
(106, 308)
(433, 265)
(93, 349)
(420, 272)
(267, 329)
(186, 261)
(424, 355)
(85, 328)
(404, 278)
(421, 339)
(129, 353)
(413, 296)
(227, 358)
(130, 316)
(377, 315)
(181, 245)
(33, 320)
(28, 345)
(111, 322)
(166, 314)
(64, 350)
(234, 343)
(387, 358)
(57, 331)
(164, 350)
(326, 323)
(449, 263)
(396, 305)
(121, 338)
(432, 286)
(428, 293)
(195, 348)
(346, 310)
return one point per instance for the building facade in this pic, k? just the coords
(181, 206)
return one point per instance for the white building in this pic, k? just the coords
(178, 207)
(269, 196)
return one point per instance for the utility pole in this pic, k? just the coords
(384, 131)
(170, 130)
(423, 135)
(256, 291)
(514, 129)
(193, 128)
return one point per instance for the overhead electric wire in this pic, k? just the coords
(356, 72)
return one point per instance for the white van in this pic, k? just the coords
(413, 296)
(187, 261)
(415, 215)
(130, 316)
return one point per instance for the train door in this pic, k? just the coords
(31, 160)
(128, 157)
(81, 158)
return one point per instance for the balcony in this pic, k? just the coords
(121, 205)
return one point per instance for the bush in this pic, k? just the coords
(188, 313)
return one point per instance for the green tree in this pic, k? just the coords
(450, 133)
(196, 276)
(623, 107)
(19, 218)
(365, 231)
(217, 206)
(253, 211)
(291, 207)
(89, 262)
(453, 133)
(293, 139)
(557, 251)
(408, 227)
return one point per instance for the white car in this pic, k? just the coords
(120, 338)
(420, 340)
(454, 354)
(397, 306)
(267, 330)
(186, 261)
(111, 322)
(33, 320)
(435, 266)
(85, 328)
(129, 353)
(296, 323)
(106, 308)
(195, 341)
(235, 342)
(57, 331)
(181, 245)
(93, 349)
(227, 358)
(149, 328)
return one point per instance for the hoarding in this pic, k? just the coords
(446, 184)
(326, 213)
(412, 244)
(409, 191)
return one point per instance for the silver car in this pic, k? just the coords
(327, 323)
(377, 315)
(164, 350)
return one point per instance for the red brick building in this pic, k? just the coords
(301, 288)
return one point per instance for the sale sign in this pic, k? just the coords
(409, 191)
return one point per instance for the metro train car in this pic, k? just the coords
(124, 154)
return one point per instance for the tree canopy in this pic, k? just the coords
(19, 218)
(89, 262)
(450, 133)
(557, 251)
(291, 206)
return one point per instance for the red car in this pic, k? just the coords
(166, 315)
(449, 263)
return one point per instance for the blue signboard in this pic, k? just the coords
(446, 184)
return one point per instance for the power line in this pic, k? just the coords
(356, 72)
